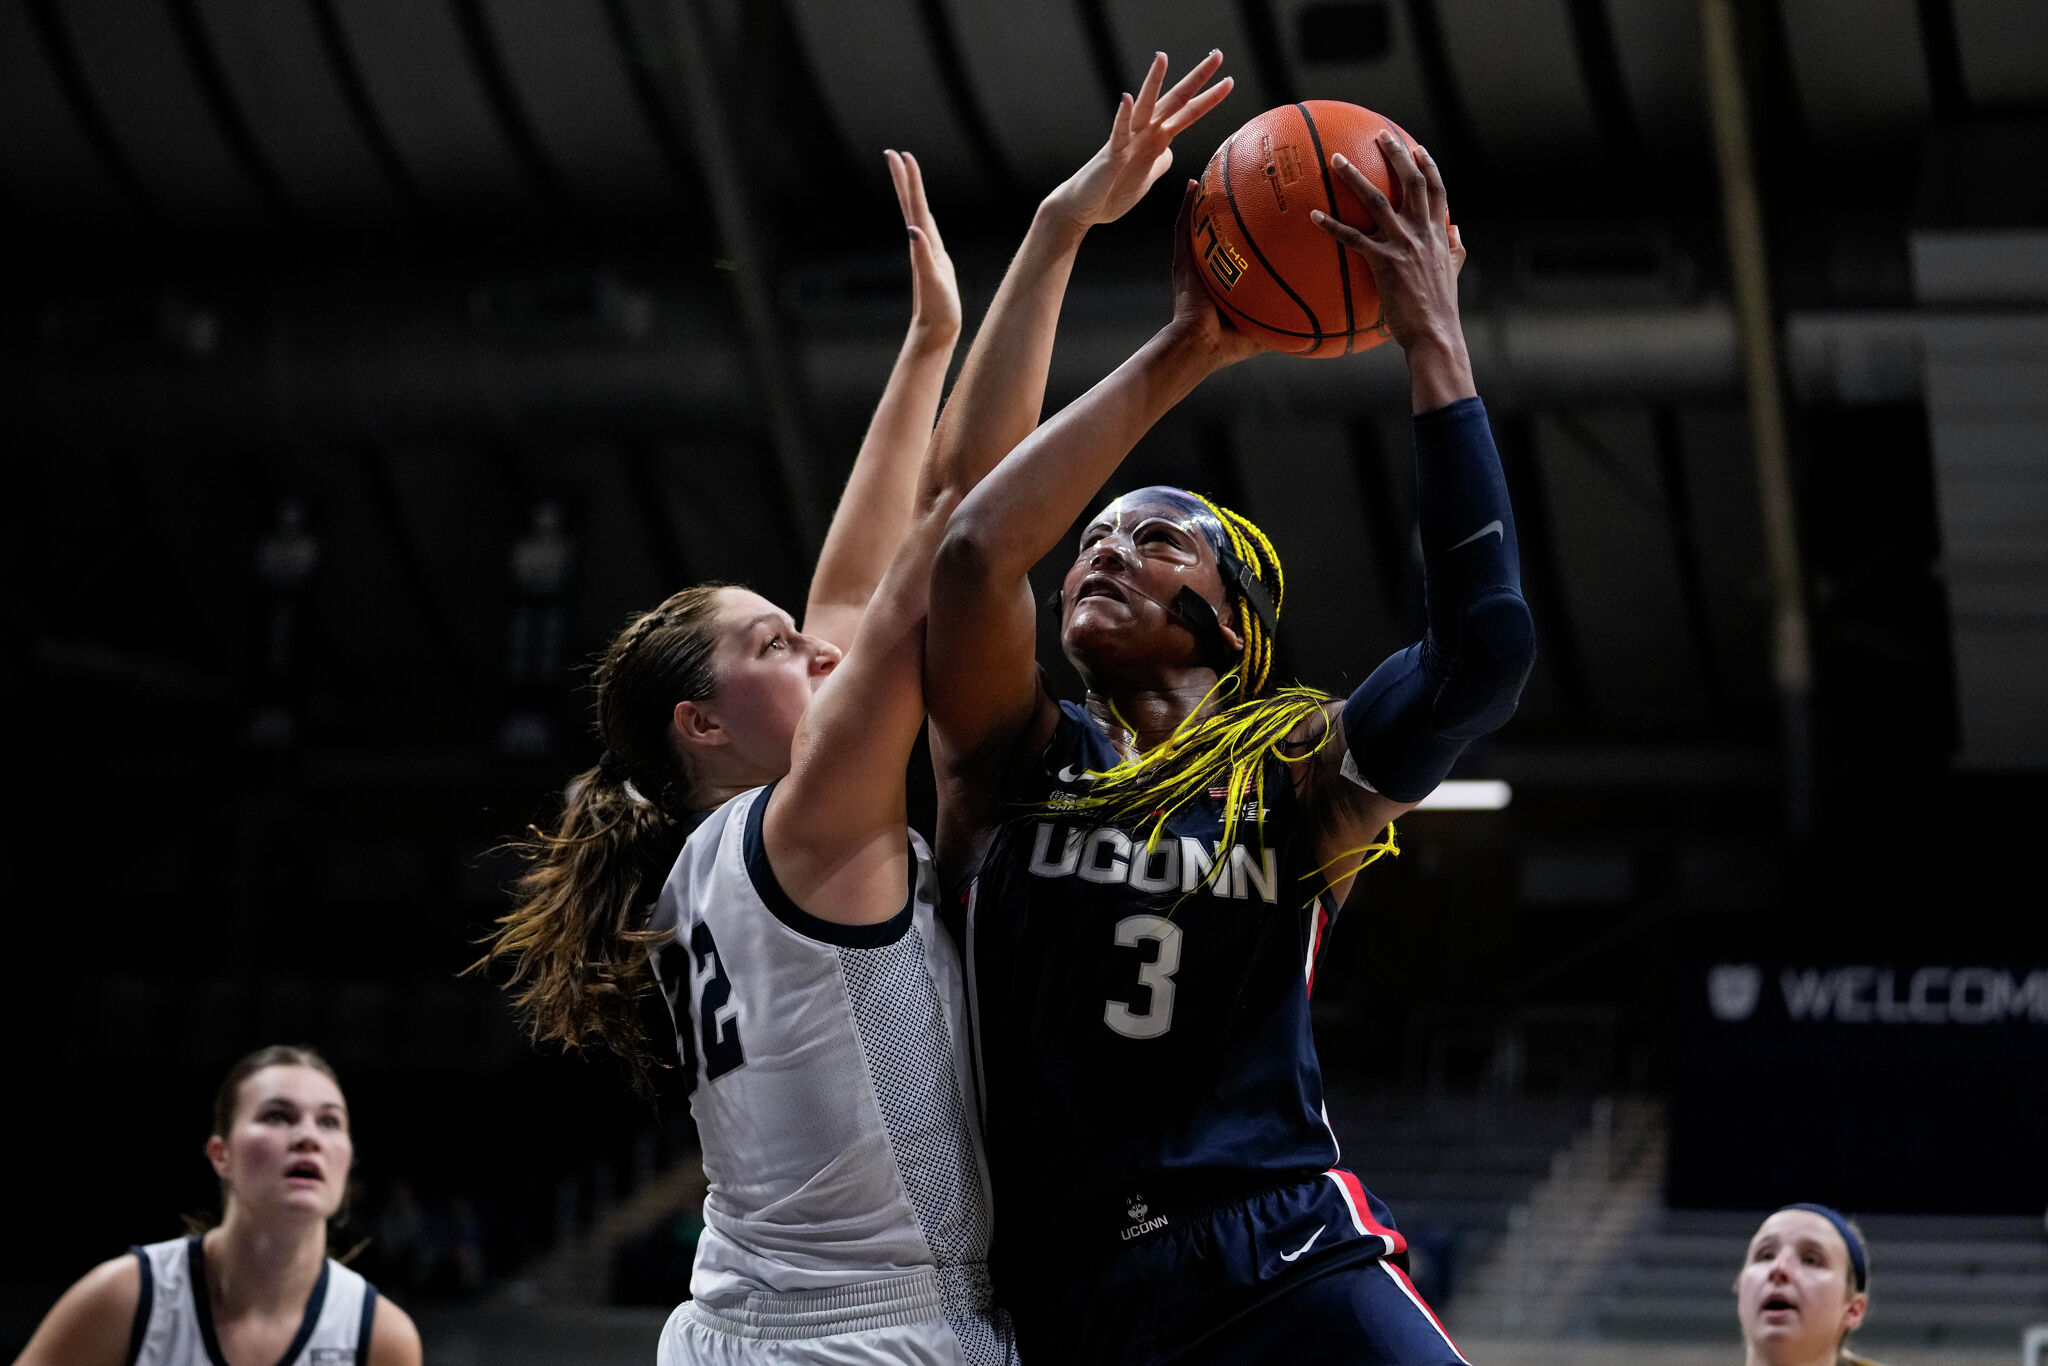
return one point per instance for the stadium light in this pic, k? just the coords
(1467, 795)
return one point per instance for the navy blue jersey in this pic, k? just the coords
(1142, 1018)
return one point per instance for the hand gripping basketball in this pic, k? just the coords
(1274, 275)
(1197, 319)
(1413, 249)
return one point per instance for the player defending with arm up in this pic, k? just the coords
(752, 788)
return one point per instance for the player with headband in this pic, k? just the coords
(1148, 878)
(1804, 1287)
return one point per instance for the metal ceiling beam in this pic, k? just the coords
(399, 369)
(396, 373)
(1743, 226)
(778, 399)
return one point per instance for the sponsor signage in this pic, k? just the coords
(1865, 994)
(1872, 1083)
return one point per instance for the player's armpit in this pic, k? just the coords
(1347, 816)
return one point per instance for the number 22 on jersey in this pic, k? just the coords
(700, 968)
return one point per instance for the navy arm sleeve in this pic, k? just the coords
(1408, 722)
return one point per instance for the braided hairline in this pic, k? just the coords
(670, 794)
(1251, 545)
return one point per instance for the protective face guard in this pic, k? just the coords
(1196, 610)
(1238, 577)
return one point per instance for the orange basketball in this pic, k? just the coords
(1277, 276)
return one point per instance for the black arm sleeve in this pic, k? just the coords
(1408, 722)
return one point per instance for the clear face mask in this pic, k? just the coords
(1175, 508)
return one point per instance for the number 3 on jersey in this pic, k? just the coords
(1157, 1016)
(718, 1024)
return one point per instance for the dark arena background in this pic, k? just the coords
(366, 362)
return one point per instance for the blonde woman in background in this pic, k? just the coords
(259, 1288)
(1804, 1287)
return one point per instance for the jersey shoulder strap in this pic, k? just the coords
(339, 1335)
(145, 1301)
(1078, 747)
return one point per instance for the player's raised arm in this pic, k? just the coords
(1001, 389)
(878, 504)
(833, 828)
(1408, 722)
(987, 702)
(1001, 393)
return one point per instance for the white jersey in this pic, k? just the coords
(829, 1076)
(174, 1316)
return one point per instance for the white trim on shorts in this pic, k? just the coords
(1408, 1289)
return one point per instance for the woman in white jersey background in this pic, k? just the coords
(752, 787)
(1803, 1289)
(259, 1289)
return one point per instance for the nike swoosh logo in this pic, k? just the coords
(1290, 1256)
(1493, 528)
(1071, 774)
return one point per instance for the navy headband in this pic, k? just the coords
(1849, 1238)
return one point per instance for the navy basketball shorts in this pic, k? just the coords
(1297, 1273)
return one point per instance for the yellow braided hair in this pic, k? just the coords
(1249, 544)
(1229, 746)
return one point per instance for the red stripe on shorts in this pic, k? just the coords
(1361, 1211)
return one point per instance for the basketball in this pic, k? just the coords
(1276, 275)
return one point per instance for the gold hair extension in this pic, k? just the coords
(1230, 744)
(1373, 854)
(1251, 545)
(1235, 739)
(1226, 748)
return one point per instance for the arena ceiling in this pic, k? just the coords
(400, 347)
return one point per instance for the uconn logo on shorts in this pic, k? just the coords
(1109, 857)
(1140, 1223)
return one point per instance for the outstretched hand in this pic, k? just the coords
(934, 291)
(1139, 149)
(1197, 321)
(1415, 253)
